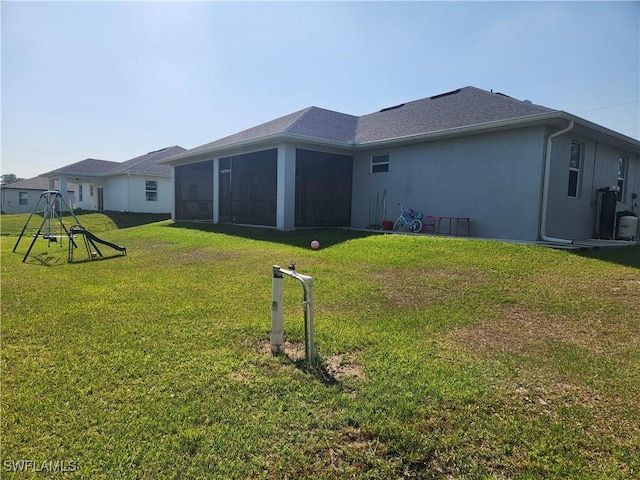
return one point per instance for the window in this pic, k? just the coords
(622, 173)
(91, 190)
(380, 163)
(575, 162)
(23, 198)
(151, 189)
(80, 192)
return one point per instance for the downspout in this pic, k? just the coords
(545, 187)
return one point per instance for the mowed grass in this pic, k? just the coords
(442, 358)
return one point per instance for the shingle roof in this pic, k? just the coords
(312, 122)
(89, 166)
(35, 183)
(462, 107)
(147, 164)
(326, 125)
(459, 108)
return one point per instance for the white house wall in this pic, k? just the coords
(128, 194)
(88, 201)
(124, 194)
(494, 179)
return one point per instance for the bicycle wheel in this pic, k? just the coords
(397, 224)
(416, 226)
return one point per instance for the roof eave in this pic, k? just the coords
(57, 173)
(529, 120)
(547, 118)
(612, 136)
(139, 174)
(219, 151)
(554, 118)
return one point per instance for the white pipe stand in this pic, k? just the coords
(277, 336)
(277, 294)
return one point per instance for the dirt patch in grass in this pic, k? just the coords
(294, 351)
(339, 366)
(356, 450)
(424, 285)
(517, 329)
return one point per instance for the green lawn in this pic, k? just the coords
(442, 358)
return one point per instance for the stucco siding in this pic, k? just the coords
(11, 200)
(494, 179)
(137, 197)
(83, 201)
(576, 218)
(116, 194)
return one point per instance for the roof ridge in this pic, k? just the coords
(298, 120)
(135, 161)
(512, 99)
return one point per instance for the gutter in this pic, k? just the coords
(545, 187)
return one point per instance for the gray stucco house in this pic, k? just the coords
(22, 196)
(516, 169)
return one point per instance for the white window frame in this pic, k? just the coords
(80, 192)
(623, 168)
(379, 163)
(151, 190)
(23, 198)
(575, 170)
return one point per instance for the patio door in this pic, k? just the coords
(100, 199)
(247, 188)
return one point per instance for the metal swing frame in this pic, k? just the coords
(50, 215)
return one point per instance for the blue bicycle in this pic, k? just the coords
(408, 219)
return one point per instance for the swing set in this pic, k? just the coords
(53, 229)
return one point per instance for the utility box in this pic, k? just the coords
(627, 227)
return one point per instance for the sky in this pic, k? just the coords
(115, 80)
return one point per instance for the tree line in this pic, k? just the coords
(7, 178)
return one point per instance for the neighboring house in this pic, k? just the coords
(516, 169)
(141, 184)
(22, 196)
